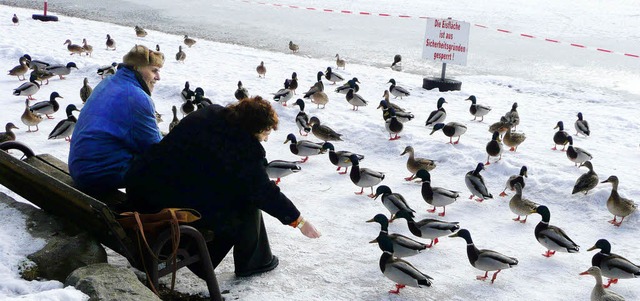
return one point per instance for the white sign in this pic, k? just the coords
(446, 41)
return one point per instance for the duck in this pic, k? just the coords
(332, 76)
(73, 48)
(617, 205)
(187, 107)
(320, 98)
(241, 93)
(47, 107)
(513, 140)
(513, 117)
(385, 95)
(29, 118)
(519, 205)
(399, 270)
(65, 127)
(61, 70)
(340, 62)
(501, 126)
(577, 155)
(86, 90)
(111, 43)
(279, 169)
(15, 20)
(293, 47)
(261, 69)
(364, 177)
(438, 115)
(317, 87)
(402, 116)
(187, 93)
(140, 32)
(88, 49)
(415, 164)
(586, 181)
(28, 89)
(293, 83)
(350, 84)
(283, 95)
(107, 70)
(551, 237)
(340, 158)
(393, 125)
(436, 196)
(485, 260)
(21, 69)
(302, 119)
(397, 91)
(511, 181)
(393, 201)
(451, 129)
(397, 63)
(582, 126)
(181, 55)
(35, 63)
(189, 41)
(613, 265)
(42, 75)
(322, 131)
(560, 137)
(428, 228)
(355, 100)
(599, 293)
(8, 134)
(475, 182)
(494, 147)
(402, 246)
(477, 110)
(175, 119)
(303, 148)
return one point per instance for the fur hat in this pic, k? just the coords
(141, 56)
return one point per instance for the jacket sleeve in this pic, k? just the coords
(144, 129)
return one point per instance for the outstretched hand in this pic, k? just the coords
(309, 230)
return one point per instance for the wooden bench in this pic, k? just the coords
(45, 181)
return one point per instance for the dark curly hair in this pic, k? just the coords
(254, 115)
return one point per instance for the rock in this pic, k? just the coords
(105, 282)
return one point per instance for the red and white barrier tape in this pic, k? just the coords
(364, 13)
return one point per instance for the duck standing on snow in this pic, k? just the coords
(501, 126)
(494, 147)
(340, 158)
(613, 265)
(397, 91)
(560, 137)
(586, 181)
(303, 148)
(318, 86)
(451, 129)
(435, 196)
(478, 110)
(61, 70)
(73, 48)
(293, 83)
(241, 92)
(47, 107)
(21, 69)
(400, 114)
(88, 49)
(28, 89)
(332, 76)
(111, 43)
(393, 125)
(519, 205)
(364, 177)
(398, 270)
(512, 179)
(107, 70)
(86, 90)
(140, 32)
(355, 100)
(513, 117)
(29, 118)
(577, 155)
(189, 41)
(15, 20)
(617, 205)
(8, 134)
(350, 84)
(302, 119)
(428, 228)
(293, 47)
(415, 164)
(513, 140)
(262, 70)
(181, 55)
(582, 126)
(64, 128)
(279, 169)
(283, 95)
(397, 63)
(438, 115)
(485, 260)
(393, 201)
(599, 293)
(552, 237)
(322, 131)
(475, 182)
(402, 246)
(340, 62)
(175, 119)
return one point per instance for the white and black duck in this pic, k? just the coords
(283, 95)
(61, 70)
(393, 125)
(278, 169)
(613, 265)
(560, 137)
(475, 182)
(332, 76)
(364, 177)
(64, 128)
(393, 201)
(356, 100)
(398, 270)
(402, 246)
(512, 180)
(28, 89)
(478, 110)
(551, 237)
(401, 115)
(341, 159)
(494, 147)
(302, 119)
(428, 228)
(451, 129)
(396, 90)
(577, 155)
(438, 115)
(435, 196)
(350, 84)
(582, 126)
(47, 107)
(241, 92)
(303, 148)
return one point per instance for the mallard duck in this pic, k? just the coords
(332, 76)
(560, 137)
(187, 93)
(42, 75)
(35, 63)
(451, 129)
(73, 48)
(303, 148)
(577, 155)
(320, 98)
(397, 91)
(513, 117)
(613, 265)
(478, 110)
(599, 293)
(439, 115)
(385, 95)
(187, 107)
(262, 70)
(402, 116)
(494, 147)
(240, 94)
(111, 43)
(586, 181)
(393, 201)
(393, 125)
(199, 100)
(61, 70)
(485, 260)
(15, 20)
(279, 169)
(140, 32)
(519, 205)
(293, 83)
(47, 107)
(350, 84)
(501, 126)
(552, 237)
(88, 49)
(29, 118)
(107, 70)
(512, 180)
(435, 196)
(293, 47)
(175, 119)
(617, 205)
(582, 126)
(21, 69)
(302, 119)
(428, 228)
(65, 127)
(28, 89)
(414, 164)
(475, 182)
(340, 158)
(86, 90)
(513, 140)
(8, 134)
(322, 131)
(397, 63)
(189, 41)
(283, 95)
(181, 55)
(363, 177)
(340, 62)
(317, 87)
(398, 270)
(355, 100)
(402, 246)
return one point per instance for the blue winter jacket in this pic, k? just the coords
(116, 124)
